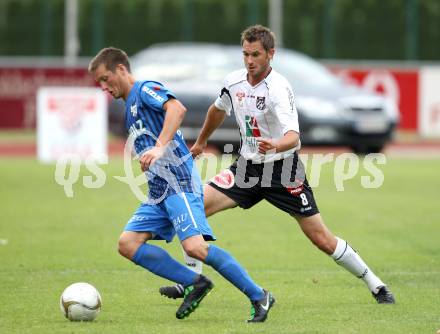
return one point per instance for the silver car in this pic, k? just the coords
(330, 111)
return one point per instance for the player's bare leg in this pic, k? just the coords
(134, 246)
(129, 242)
(344, 255)
(214, 201)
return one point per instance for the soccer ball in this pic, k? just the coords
(80, 302)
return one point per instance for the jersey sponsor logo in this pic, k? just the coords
(224, 179)
(296, 191)
(240, 98)
(153, 94)
(133, 110)
(260, 102)
(252, 143)
(240, 95)
(252, 129)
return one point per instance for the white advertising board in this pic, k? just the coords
(71, 120)
(429, 101)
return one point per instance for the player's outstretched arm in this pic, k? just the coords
(214, 118)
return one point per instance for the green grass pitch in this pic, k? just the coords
(49, 241)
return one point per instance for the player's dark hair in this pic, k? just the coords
(110, 57)
(259, 33)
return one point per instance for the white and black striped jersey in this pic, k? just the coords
(266, 110)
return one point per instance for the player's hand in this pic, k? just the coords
(150, 157)
(265, 145)
(197, 149)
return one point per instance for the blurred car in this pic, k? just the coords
(330, 111)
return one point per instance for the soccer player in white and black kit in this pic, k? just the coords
(268, 166)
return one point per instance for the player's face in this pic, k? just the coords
(111, 82)
(256, 59)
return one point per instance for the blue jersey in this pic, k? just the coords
(144, 118)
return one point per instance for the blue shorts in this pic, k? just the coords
(181, 213)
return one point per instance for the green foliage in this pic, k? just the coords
(53, 241)
(363, 29)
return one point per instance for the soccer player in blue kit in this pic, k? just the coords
(175, 199)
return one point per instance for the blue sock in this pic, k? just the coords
(159, 262)
(230, 269)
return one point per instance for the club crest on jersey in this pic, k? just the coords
(224, 179)
(133, 110)
(261, 102)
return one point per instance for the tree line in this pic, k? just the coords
(337, 29)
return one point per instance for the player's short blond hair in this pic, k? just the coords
(110, 57)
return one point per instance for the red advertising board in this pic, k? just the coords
(18, 87)
(402, 85)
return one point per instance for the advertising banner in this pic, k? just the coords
(429, 108)
(71, 120)
(19, 85)
(401, 85)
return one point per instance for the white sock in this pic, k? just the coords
(192, 263)
(347, 257)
